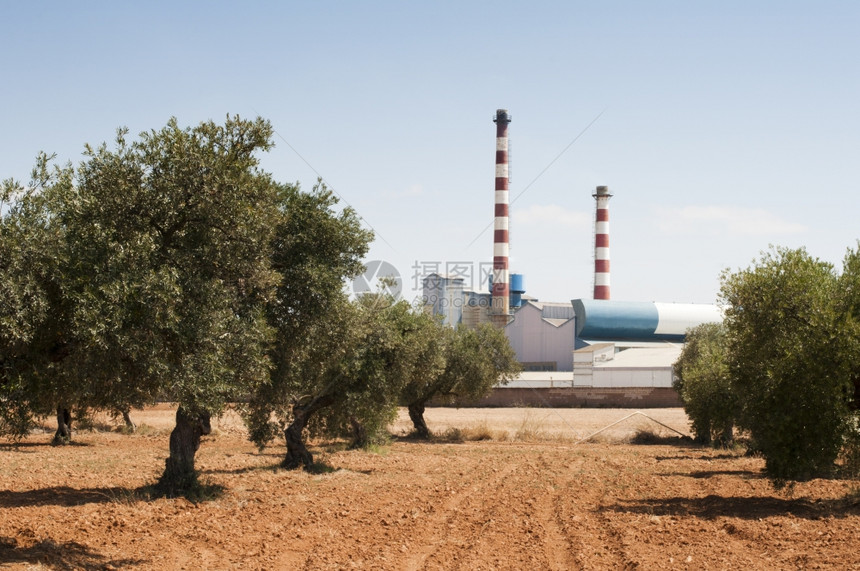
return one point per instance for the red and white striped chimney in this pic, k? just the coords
(601, 243)
(501, 287)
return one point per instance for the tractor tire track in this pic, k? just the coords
(440, 542)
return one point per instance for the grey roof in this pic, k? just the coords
(553, 310)
(556, 322)
(650, 357)
(594, 347)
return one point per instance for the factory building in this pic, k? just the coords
(543, 335)
(586, 352)
(547, 336)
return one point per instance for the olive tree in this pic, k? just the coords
(703, 382)
(316, 247)
(849, 297)
(849, 300)
(34, 315)
(789, 360)
(346, 374)
(475, 361)
(161, 276)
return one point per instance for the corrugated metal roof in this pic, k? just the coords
(594, 347)
(450, 277)
(644, 358)
(556, 322)
(553, 310)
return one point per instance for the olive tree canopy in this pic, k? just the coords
(153, 282)
(790, 358)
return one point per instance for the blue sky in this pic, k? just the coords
(721, 127)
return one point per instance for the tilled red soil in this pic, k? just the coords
(554, 503)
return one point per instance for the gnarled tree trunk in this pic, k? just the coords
(130, 426)
(416, 414)
(359, 434)
(64, 426)
(297, 453)
(179, 473)
(727, 437)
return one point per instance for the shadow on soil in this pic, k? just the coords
(649, 438)
(702, 474)
(65, 496)
(451, 436)
(69, 555)
(243, 470)
(711, 507)
(23, 446)
(706, 457)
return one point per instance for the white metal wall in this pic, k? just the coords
(624, 377)
(535, 340)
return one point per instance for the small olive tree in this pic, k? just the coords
(475, 361)
(345, 376)
(849, 298)
(33, 316)
(704, 385)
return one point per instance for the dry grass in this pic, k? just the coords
(530, 424)
(479, 431)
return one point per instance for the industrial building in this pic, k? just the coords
(585, 352)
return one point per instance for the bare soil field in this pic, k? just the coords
(536, 495)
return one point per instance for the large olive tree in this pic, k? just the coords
(160, 275)
(790, 360)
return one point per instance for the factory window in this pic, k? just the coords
(539, 367)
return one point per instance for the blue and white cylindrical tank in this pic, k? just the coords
(640, 320)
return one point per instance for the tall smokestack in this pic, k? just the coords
(501, 288)
(601, 243)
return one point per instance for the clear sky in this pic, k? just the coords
(721, 127)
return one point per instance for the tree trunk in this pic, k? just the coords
(130, 426)
(64, 426)
(179, 474)
(854, 402)
(416, 413)
(297, 453)
(728, 435)
(359, 434)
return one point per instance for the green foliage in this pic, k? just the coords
(849, 302)
(34, 309)
(328, 352)
(385, 347)
(474, 361)
(314, 249)
(463, 364)
(789, 357)
(851, 450)
(143, 272)
(703, 382)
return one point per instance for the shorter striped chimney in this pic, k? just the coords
(601, 243)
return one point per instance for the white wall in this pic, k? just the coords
(535, 340)
(628, 377)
